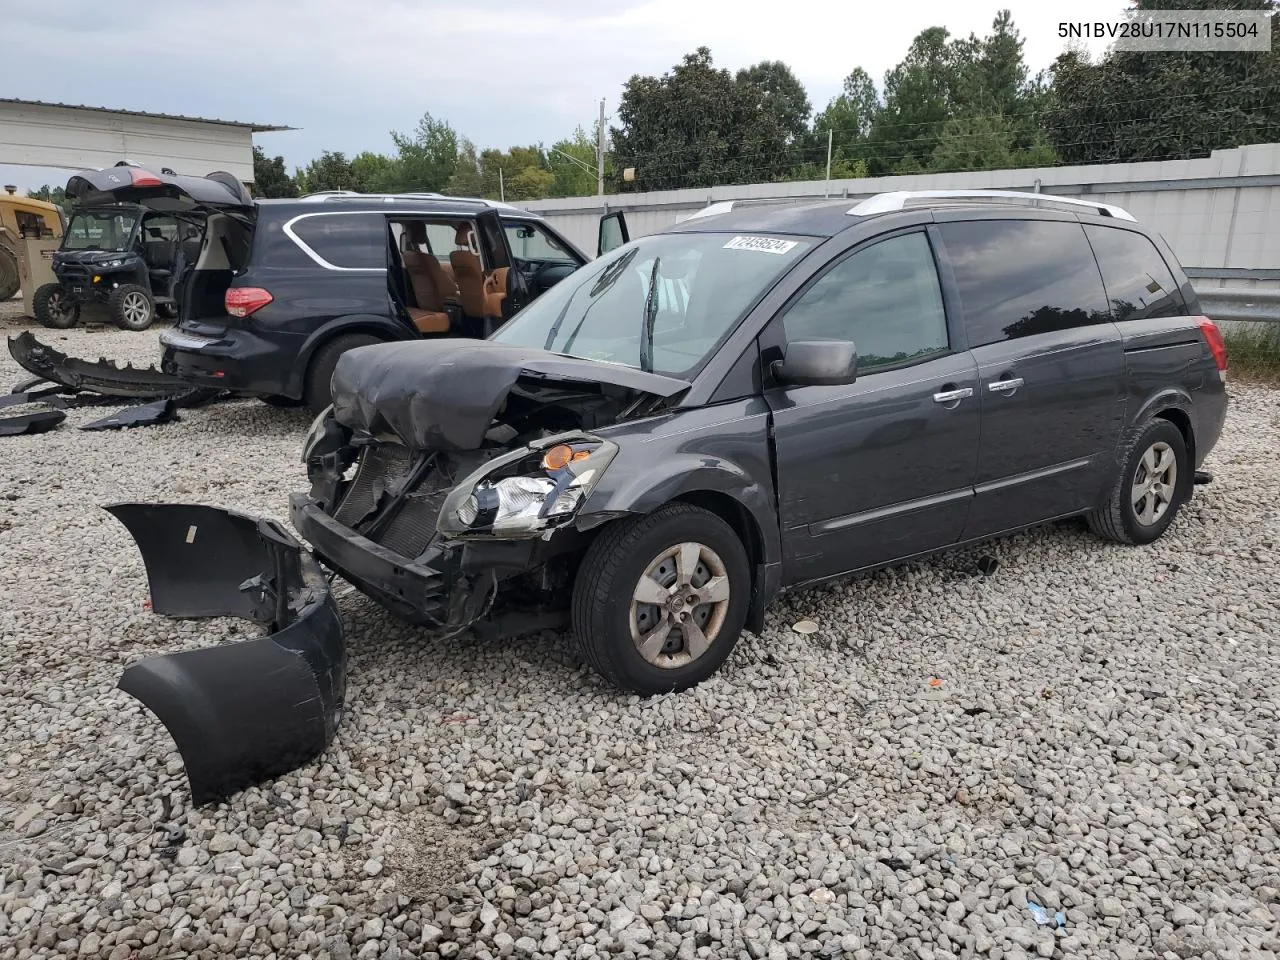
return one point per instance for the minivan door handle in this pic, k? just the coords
(953, 396)
(1000, 386)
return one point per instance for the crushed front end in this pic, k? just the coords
(449, 487)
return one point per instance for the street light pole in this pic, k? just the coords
(600, 153)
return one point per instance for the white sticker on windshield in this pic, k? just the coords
(762, 244)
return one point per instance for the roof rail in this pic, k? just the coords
(724, 206)
(898, 199)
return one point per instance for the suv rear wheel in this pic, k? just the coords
(1152, 486)
(130, 307)
(52, 309)
(660, 601)
(319, 392)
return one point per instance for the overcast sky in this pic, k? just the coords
(501, 73)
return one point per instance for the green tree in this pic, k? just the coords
(849, 118)
(426, 158)
(919, 99)
(1133, 106)
(270, 179)
(574, 179)
(467, 179)
(696, 125)
(781, 103)
(49, 194)
(330, 171)
(374, 172)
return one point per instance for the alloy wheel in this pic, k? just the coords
(679, 605)
(1155, 483)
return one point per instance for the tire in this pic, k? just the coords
(1127, 517)
(130, 307)
(168, 311)
(607, 617)
(10, 279)
(320, 371)
(283, 403)
(52, 310)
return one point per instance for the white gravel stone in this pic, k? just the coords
(818, 797)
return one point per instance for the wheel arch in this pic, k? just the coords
(383, 327)
(1181, 419)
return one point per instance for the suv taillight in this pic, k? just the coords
(242, 301)
(1213, 337)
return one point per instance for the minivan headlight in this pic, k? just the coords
(528, 492)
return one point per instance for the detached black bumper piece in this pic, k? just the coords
(103, 377)
(244, 712)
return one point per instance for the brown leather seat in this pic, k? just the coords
(430, 286)
(469, 274)
(495, 285)
(428, 321)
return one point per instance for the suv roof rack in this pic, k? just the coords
(898, 199)
(323, 196)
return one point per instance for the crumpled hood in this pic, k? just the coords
(444, 394)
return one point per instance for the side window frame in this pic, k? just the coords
(951, 288)
(1175, 290)
(773, 339)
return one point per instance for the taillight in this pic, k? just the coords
(1213, 337)
(144, 178)
(242, 301)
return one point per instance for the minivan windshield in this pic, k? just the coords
(100, 230)
(662, 303)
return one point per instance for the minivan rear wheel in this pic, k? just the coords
(660, 601)
(1152, 486)
(319, 392)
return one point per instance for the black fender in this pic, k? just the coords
(689, 476)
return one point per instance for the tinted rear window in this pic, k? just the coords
(1018, 278)
(1138, 281)
(346, 239)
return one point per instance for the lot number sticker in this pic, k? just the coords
(761, 244)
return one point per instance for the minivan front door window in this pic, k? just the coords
(885, 298)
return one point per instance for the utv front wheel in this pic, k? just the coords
(52, 308)
(130, 307)
(659, 601)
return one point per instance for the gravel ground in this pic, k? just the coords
(1090, 728)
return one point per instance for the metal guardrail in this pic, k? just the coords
(1243, 306)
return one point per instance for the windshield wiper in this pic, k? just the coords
(608, 277)
(650, 313)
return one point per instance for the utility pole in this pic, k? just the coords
(830, 130)
(600, 153)
(502, 189)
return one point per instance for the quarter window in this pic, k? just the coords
(1018, 278)
(346, 239)
(1138, 281)
(885, 298)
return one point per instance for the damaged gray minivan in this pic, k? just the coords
(754, 400)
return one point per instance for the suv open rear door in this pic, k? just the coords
(129, 183)
(613, 232)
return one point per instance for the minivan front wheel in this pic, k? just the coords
(1152, 486)
(659, 601)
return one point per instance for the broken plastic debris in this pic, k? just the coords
(1044, 918)
(804, 626)
(935, 682)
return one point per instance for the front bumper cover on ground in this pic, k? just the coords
(242, 712)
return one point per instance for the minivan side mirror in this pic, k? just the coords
(818, 363)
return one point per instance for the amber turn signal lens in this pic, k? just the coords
(561, 456)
